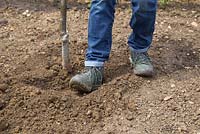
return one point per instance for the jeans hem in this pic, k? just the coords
(94, 64)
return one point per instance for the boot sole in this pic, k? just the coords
(146, 74)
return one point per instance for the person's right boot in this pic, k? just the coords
(87, 81)
(142, 64)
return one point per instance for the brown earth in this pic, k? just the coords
(34, 93)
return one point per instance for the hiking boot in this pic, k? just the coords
(142, 64)
(87, 81)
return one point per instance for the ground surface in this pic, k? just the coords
(34, 93)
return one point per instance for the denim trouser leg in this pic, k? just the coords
(142, 23)
(100, 28)
(101, 20)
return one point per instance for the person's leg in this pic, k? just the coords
(142, 23)
(100, 24)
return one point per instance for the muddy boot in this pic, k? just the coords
(88, 81)
(142, 64)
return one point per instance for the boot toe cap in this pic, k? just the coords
(144, 70)
(78, 84)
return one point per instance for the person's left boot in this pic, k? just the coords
(142, 64)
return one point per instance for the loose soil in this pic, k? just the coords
(35, 97)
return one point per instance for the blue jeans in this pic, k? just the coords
(100, 25)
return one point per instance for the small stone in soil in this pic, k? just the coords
(173, 85)
(3, 87)
(167, 98)
(194, 24)
(130, 116)
(3, 22)
(131, 105)
(191, 102)
(89, 113)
